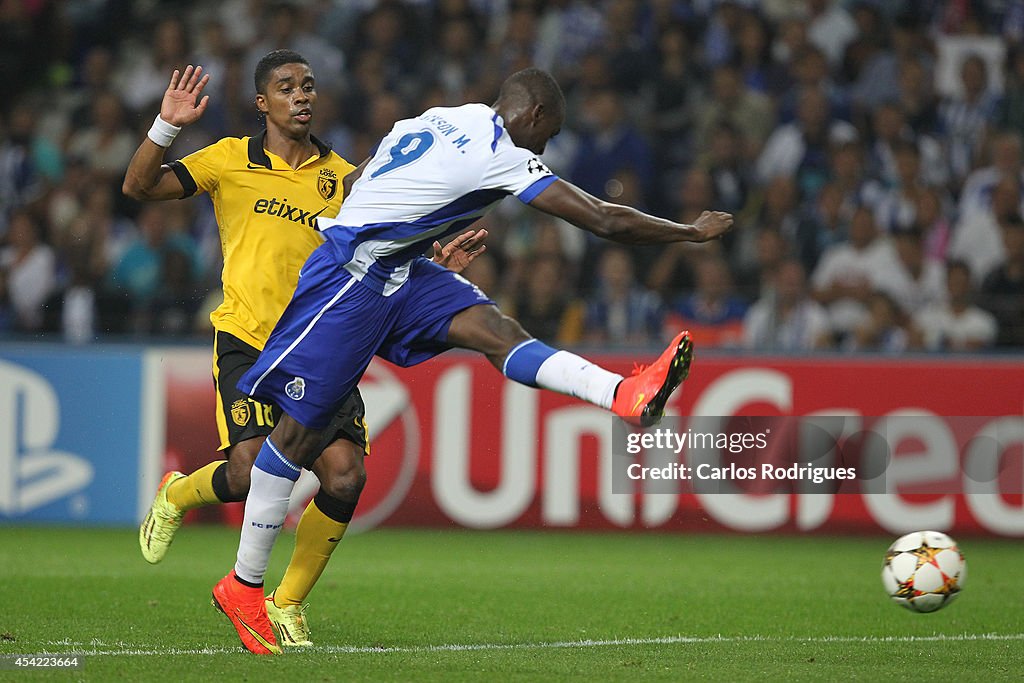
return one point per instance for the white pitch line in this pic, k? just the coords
(126, 649)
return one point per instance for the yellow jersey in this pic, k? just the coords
(266, 212)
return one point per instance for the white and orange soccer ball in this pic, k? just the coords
(924, 571)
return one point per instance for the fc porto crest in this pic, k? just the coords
(240, 412)
(327, 184)
(296, 389)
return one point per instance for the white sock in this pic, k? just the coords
(568, 373)
(265, 511)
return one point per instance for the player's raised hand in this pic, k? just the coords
(461, 251)
(711, 225)
(179, 106)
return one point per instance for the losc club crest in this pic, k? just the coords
(240, 412)
(327, 184)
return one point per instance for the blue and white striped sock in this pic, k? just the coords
(270, 486)
(536, 364)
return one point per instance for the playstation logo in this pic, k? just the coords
(33, 474)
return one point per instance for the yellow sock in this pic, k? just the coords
(196, 489)
(316, 537)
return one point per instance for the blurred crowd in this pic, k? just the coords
(871, 152)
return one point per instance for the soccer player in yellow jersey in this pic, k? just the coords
(267, 192)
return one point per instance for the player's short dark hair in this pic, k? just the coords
(271, 61)
(536, 86)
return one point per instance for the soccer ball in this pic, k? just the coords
(924, 571)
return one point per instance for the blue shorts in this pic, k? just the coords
(334, 325)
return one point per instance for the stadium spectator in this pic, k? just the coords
(672, 268)
(789, 39)
(28, 162)
(849, 173)
(94, 235)
(915, 281)
(453, 65)
(731, 101)
(713, 312)
(896, 208)
(544, 304)
(977, 238)
(958, 325)
(215, 51)
(1003, 291)
(965, 117)
(757, 272)
(809, 70)
(140, 270)
(1011, 108)
(516, 47)
(389, 31)
(885, 328)
(621, 312)
(142, 70)
(1006, 161)
(823, 224)
(931, 220)
(568, 30)
(609, 144)
(787, 319)
(623, 48)
(28, 273)
(844, 278)
(729, 170)
(752, 55)
(177, 300)
(830, 28)
(106, 144)
(96, 75)
(917, 98)
(889, 130)
(675, 84)
(800, 149)
(870, 64)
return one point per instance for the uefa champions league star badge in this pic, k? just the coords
(296, 389)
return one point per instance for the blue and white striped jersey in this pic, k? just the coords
(431, 176)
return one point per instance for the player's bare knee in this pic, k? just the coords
(240, 459)
(344, 483)
(295, 441)
(511, 333)
(238, 479)
(487, 330)
(508, 334)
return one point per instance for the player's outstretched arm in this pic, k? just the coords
(461, 251)
(147, 179)
(623, 223)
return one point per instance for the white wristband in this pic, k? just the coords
(163, 133)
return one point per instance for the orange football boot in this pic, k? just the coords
(640, 399)
(245, 607)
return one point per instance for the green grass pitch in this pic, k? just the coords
(459, 605)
